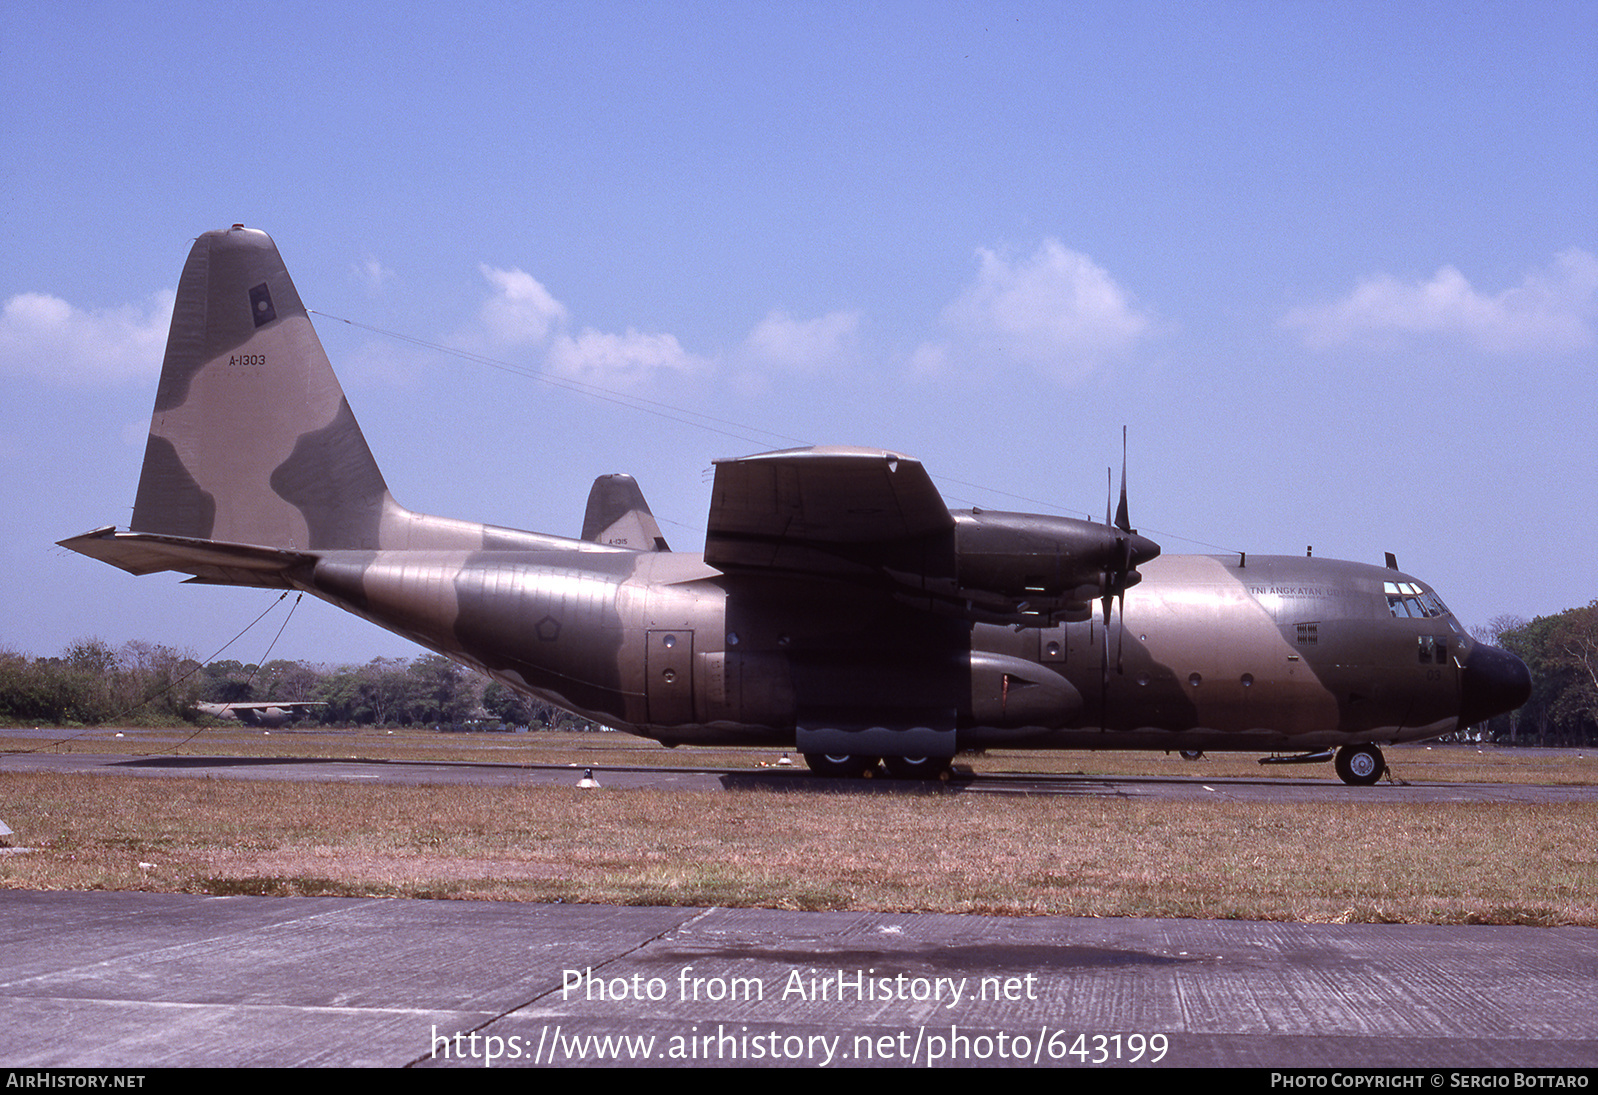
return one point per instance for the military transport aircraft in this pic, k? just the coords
(839, 608)
(269, 713)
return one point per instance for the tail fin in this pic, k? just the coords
(618, 515)
(252, 440)
(255, 463)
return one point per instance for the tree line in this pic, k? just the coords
(138, 684)
(1562, 653)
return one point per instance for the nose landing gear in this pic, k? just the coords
(1360, 765)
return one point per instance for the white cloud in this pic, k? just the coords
(803, 345)
(1551, 311)
(619, 361)
(374, 275)
(1056, 311)
(521, 311)
(46, 337)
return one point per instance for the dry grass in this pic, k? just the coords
(1373, 862)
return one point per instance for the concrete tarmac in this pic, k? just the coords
(128, 980)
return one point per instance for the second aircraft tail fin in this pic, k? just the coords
(617, 515)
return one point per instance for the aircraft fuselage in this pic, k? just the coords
(1209, 652)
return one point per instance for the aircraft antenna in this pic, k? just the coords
(681, 415)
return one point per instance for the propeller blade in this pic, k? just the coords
(1115, 583)
(1120, 645)
(1122, 520)
(1104, 668)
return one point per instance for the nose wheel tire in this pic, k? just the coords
(1360, 765)
(842, 766)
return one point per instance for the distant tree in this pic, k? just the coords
(1573, 647)
(441, 692)
(228, 682)
(507, 705)
(38, 690)
(286, 680)
(157, 681)
(86, 682)
(341, 690)
(1562, 653)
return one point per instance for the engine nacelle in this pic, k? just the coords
(1036, 566)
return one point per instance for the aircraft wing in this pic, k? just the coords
(210, 561)
(874, 517)
(827, 510)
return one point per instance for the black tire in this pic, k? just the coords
(917, 767)
(1360, 765)
(842, 766)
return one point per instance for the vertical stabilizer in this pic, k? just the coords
(252, 440)
(618, 516)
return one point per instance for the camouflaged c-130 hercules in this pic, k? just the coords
(840, 607)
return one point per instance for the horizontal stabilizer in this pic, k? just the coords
(209, 561)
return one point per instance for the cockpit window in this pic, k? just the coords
(1406, 600)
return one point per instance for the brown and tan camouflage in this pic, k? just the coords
(839, 608)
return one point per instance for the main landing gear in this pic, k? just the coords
(1359, 765)
(917, 767)
(850, 766)
(842, 765)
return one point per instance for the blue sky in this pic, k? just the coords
(1334, 265)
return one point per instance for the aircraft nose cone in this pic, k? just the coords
(1494, 681)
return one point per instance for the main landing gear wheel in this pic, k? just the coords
(842, 766)
(1359, 765)
(917, 767)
